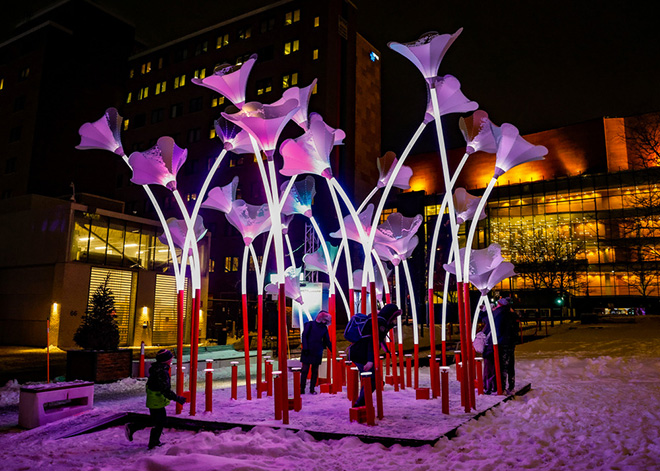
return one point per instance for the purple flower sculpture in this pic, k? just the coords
(158, 165)
(300, 197)
(466, 205)
(264, 122)
(103, 134)
(233, 138)
(352, 232)
(291, 285)
(450, 97)
(229, 80)
(310, 153)
(385, 252)
(481, 262)
(487, 281)
(249, 219)
(286, 220)
(479, 132)
(386, 166)
(178, 229)
(316, 261)
(513, 150)
(221, 198)
(302, 95)
(397, 232)
(427, 52)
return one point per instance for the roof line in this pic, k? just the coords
(36, 28)
(58, 4)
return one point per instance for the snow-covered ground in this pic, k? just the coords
(593, 405)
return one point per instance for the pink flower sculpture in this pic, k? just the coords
(352, 232)
(286, 221)
(233, 138)
(466, 205)
(316, 261)
(481, 262)
(249, 219)
(479, 132)
(386, 253)
(487, 281)
(264, 122)
(103, 134)
(300, 197)
(427, 52)
(178, 229)
(302, 95)
(291, 285)
(386, 166)
(513, 150)
(221, 198)
(397, 232)
(310, 153)
(229, 80)
(158, 165)
(450, 97)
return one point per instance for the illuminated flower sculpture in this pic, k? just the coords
(479, 132)
(352, 233)
(250, 220)
(466, 205)
(229, 80)
(451, 99)
(316, 261)
(233, 138)
(386, 165)
(221, 198)
(264, 122)
(310, 153)
(158, 165)
(302, 95)
(299, 200)
(397, 231)
(102, 134)
(178, 229)
(513, 150)
(482, 262)
(291, 285)
(427, 52)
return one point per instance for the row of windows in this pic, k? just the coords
(23, 74)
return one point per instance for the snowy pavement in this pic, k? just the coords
(593, 405)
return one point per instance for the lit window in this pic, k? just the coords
(217, 101)
(191, 196)
(131, 73)
(129, 97)
(317, 21)
(291, 17)
(126, 123)
(146, 68)
(179, 81)
(199, 73)
(144, 93)
(160, 87)
(245, 33)
(201, 47)
(211, 265)
(291, 47)
(315, 54)
(264, 86)
(231, 263)
(294, 78)
(212, 133)
(286, 81)
(315, 89)
(222, 40)
(2, 83)
(24, 73)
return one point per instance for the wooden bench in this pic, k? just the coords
(45, 403)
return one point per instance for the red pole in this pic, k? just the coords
(278, 393)
(332, 364)
(297, 400)
(470, 349)
(141, 369)
(282, 354)
(363, 300)
(351, 301)
(48, 350)
(246, 349)
(194, 345)
(395, 376)
(435, 389)
(465, 397)
(408, 370)
(376, 344)
(355, 383)
(179, 348)
(416, 352)
(480, 376)
(444, 374)
(269, 377)
(234, 380)
(209, 385)
(457, 361)
(498, 374)
(368, 399)
(401, 367)
(260, 344)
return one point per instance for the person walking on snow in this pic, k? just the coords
(159, 394)
(315, 338)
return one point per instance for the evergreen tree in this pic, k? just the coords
(99, 330)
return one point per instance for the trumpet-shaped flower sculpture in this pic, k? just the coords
(427, 52)
(386, 166)
(229, 80)
(466, 205)
(250, 220)
(222, 198)
(482, 261)
(513, 150)
(316, 261)
(233, 138)
(302, 95)
(397, 232)
(352, 232)
(387, 253)
(310, 153)
(299, 200)
(291, 285)
(264, 122)
(178, 229)
(158, 165)
(479, 132)
(487, 281)
(450, 97)
(103, 134)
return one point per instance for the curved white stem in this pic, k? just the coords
(194, 274)
(326, 255)
(383, 273)
(413, 305)
(473, 226)
(399, 302)
(257, 269)
(244, 265)
(367, 199)
(344, 238)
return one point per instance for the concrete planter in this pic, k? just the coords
(98, 366)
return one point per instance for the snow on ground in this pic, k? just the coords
(593, 405)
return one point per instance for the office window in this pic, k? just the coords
(212, 134)
(315, 89)
(201, 47)
(315, 54)
(15, 133)
(217, 101)
(157, 115)
(289, 80)
(179, 81)
(24, 73)
(317, 22)
(199, 73)
(160, 87)
(291, 17)
(291, 47)
(231, 264)
(243, 58)
(264, 86)
(176, 110)
(245, 33)
(145, 68)
(267, 25)
(2, 83)
(129, 97)
(126, 123)
(144, 93)
(222, 41)
(211, 265)
(131, 73)
(195, 104)
(191, 196)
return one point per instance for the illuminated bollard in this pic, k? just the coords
(353, 389)
(141, 371)
(277, 380)
(436, 378)
(368, 399)
(297, 400)
(444, 375)
(480, 376)
(342, 369)
(457, 361)
(269, 378)
(395, 376)
(264, 384)
(409, 370)
(209, 385)
(459, 366)
(234, 380)
(336, 376)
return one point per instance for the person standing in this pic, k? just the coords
(159, 395)
(315, 338)
(509, 326)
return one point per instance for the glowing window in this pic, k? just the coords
(129, 97)
(315, 89)
(131, 73)
(179, 81)
(217, 101)
(245, 33)
(146, 68)
(212, 133)
(126, 123)
(222, 40)
(144, 93)
(315, 54)
(291, 17)
(160, 87)
(199, 73)
(317, 22)
(291, 47)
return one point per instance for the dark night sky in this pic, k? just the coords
(538, 65)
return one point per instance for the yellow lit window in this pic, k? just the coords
(222, 40)
(146, 68)
(286, 81)
(191, 196)
(200, 73)
(317, 21)
(131, 73)
(291, 17)
(144, 93)
(160, 87)
(315, 54)
(296, 45)
(212, 133)
(179, 81)
(315, 89)
(126, 122)
(217, 101)
(129, 97)
(294, 78)
(2, 83)
(291, 46)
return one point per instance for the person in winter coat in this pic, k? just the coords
(506, 327)
(490, 377)
(159, 394)
(315, 338)
(361, 353)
